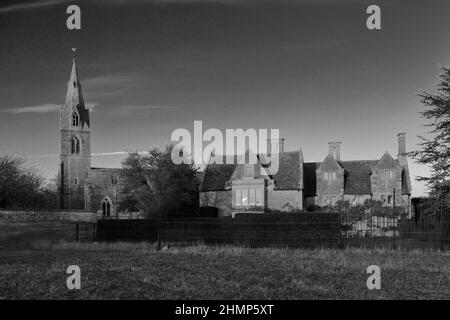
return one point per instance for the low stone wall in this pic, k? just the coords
(25, 216)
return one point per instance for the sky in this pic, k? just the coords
(309, 68)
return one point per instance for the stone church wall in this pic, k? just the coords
(101, 185)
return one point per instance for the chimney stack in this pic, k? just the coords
(401, 144)
(273, 143)
(334, 148)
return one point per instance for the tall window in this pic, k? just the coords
(75, 145)
(75, 119)
(388, 176)
(249, 197)
(106, 207)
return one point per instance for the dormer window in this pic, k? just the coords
(75, 119)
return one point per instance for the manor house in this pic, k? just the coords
(232, 188)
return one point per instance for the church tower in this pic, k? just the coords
(75, 155)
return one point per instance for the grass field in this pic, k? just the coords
(34, 258)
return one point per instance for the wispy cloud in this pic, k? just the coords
(147, 107)
(143, 109)
(30, 5)
(99, 154)
(116, 153)
(112, 79)
(111, 85)
(45, 3)
(42, 108)
(49, 155)
(102, 154)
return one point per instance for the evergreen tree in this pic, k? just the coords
(435, 149)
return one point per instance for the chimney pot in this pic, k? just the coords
(273, 143)
(401, 137)
(334, 148)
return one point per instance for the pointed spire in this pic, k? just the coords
(74, 94)
(74, 74)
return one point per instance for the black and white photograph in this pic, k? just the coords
(222, 158)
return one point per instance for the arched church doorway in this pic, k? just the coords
(106, 207)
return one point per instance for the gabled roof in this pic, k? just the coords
(357, 176)
(386, 162)
(290, 173)
(289, 177)
(330, 163)
(216, 177)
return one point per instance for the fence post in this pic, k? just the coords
(159, 238)
(340, 244)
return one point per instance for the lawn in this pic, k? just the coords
(35, 256)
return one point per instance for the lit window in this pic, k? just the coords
(238, 198)
(252, 197)
(259, 197)
(249, 197)
(244, 197)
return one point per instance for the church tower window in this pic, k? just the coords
(75, 145)
(75, 119)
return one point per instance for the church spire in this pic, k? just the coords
(75, 95)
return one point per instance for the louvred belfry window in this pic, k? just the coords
(75, 119)
(75, 145)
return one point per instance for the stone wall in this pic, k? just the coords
(100, 186)
(41, 216)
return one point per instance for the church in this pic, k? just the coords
(82, 187)
(231, 188)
